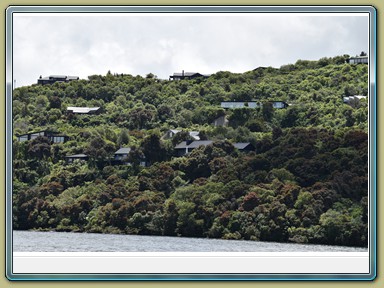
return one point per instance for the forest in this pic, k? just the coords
(305, 181)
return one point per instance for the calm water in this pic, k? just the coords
(31, 241)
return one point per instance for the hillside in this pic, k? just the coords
(302, 178)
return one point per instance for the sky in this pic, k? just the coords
(80, 45)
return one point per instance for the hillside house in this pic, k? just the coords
(353, 100)
(121, 155)
(56, 78)
(187, 75)
(72, 158)
(121, 158)
(172, 132)
(279, 104)
(358, 60)
(185, 147)
(83, 110)
(54, 137)
(239, 104)
(251, 104)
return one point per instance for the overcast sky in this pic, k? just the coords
(138, 45)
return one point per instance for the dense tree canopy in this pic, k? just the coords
(306, 181)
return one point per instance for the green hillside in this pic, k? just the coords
(305, 179)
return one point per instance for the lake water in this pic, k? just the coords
(32, 241)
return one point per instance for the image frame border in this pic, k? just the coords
(201, 9)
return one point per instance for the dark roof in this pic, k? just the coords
(36, 132)
(77, 156)
(189, 74)
(359, 57)
(240, 145)
(123, 151)
(57, 77)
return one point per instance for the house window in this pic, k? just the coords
(23, 138)
(58, 139)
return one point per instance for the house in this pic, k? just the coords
(221, 121)
(239, 104)
(121, 154)
(72, 158)
(56, 78)
(279, 104)
(252, 104)
(54, 137)
(244, 147)
(358, 60)
(186, 147)
(172, 132)
(121, 157)
(84, 110)
(353, 100)
(187, 75)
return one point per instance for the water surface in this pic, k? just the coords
(33, 241)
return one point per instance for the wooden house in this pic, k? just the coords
(54, 137)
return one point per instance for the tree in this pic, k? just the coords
(153, 148)
(267, 111)
(123, 138)
(40, 148)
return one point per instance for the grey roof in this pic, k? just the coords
(193, 144)
(181, 145)
(123, 151)
(77, 156)
(241, 145)
(196, 144)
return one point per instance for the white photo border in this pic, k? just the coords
(370, 258)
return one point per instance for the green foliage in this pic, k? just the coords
(306, 182)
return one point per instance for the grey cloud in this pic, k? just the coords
(162, 45)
